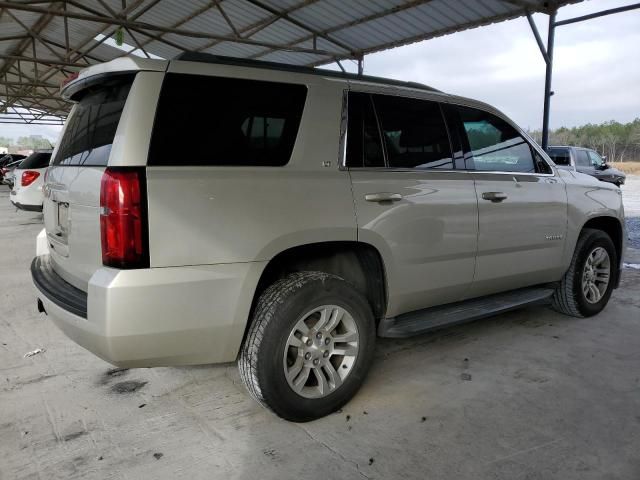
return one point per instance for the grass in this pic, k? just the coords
(630, 168)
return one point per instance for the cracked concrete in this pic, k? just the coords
(543, 397)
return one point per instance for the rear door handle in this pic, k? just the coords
(494, 197)
(382, 197)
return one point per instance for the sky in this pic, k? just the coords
(596, 68)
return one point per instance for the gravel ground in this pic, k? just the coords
(631, 199)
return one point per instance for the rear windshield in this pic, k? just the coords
(560, 156)
(92, 126)
(225, 121)
(36, 160)
(10, 158)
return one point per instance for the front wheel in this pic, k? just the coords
(309, 346)
(586, 287)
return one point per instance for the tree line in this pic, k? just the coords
(619, 142)
(25, 143)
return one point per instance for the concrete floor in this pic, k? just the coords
(526, 395)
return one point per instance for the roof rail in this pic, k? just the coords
(245, 62)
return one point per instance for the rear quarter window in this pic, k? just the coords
(92, 126)
(225, 121)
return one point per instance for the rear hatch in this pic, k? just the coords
(72, 190)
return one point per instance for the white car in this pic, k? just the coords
(28, 179)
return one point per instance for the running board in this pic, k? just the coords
(420, 321)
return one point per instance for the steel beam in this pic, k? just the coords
(46, 61)
(123, 22)
(352, 23)
(547, 80)
(536, 34)
(611, 11)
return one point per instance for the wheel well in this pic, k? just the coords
(612, 227)
(358, 263)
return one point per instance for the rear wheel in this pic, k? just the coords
(586, 287)
(309, 346)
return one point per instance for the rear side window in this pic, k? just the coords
(36, 160)
(494, 144)
(90, 130)
(225, 121)
(560, 156)
(414, 132)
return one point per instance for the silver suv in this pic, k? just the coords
(206, 210)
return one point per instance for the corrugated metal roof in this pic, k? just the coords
(69, 35)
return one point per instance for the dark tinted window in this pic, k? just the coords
(36, 160)
(414, 133)
(494, 144)
(582, 158)
(91, 128)
(560, 156)
(7, 159)
(363, 137)
(226, 121)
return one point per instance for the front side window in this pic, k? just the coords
(596, 160)
(495, 145)
(226, 121)
(414, 133)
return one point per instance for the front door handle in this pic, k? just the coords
(382, 197)
(494, 197)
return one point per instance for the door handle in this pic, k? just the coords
(382, 197)
(494, 197)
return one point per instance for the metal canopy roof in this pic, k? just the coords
(43, 42)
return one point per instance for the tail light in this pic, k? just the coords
(28, 177)
(123, 225)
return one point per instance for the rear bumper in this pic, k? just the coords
(27, 208)
(55, 289)
(156, 316)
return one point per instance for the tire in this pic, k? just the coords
(569, 298)
(276, 318)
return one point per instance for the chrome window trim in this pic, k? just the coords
(437, 170)
(342, 145)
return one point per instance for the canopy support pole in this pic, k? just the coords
(547, 80)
